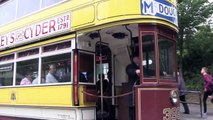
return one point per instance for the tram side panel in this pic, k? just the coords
(156, 100)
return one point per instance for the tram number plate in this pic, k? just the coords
(171, 113)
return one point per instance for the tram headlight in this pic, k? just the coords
(174, 96)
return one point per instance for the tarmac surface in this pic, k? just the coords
(195, 113)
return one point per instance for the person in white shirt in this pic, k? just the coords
(35, 81)
(51, 76)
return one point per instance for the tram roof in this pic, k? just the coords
(84, 14)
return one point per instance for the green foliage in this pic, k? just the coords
(195, 40)
(194, 81)
(191, 14)
(200, 48)
(200, 54)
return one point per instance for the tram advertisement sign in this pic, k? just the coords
(165, 9)
(50, 27)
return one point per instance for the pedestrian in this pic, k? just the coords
(133, 72)
(182, 95)
(106, 109)
(207, 87)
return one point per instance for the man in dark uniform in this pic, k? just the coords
(133, 72)
(106, 109)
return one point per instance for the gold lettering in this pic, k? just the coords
(171, 113)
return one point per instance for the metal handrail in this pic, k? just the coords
(197, 103)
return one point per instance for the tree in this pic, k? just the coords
(200, 50)
(191, 14)
(199, 54)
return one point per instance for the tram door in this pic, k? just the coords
(104, 66)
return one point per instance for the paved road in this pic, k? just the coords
(195, 113)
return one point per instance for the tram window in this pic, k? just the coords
(58, 46)
(26, 72)
(7, 11)
(46, 3)
(86, 67)
(7, 57)
(28, 53)
(27, 6)
(166, 58)
(105, 69)
(149, 67)
(57, 68)
(6, 75)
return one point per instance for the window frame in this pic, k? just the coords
(7, 61)
(58, 53)
(39, 56)
(171, 79)
(13, 63)
(94, 74)
(29, 14)
(16, 70)
(146, 79)
(7, 2)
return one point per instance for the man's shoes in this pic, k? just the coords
(186, 113)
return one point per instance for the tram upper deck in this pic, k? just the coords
(51, 36)
(88, 14)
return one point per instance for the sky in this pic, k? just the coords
(210, 0)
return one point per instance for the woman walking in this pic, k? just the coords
(207, 87)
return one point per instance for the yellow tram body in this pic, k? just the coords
(85, 16)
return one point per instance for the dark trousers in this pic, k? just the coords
(205, 96)
(185, 105)
(131, 113)
(106, 110)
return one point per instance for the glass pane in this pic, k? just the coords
(8, 10)
(26, 72)
(166, 58)
(46, 3)
(86, 67)
(56, 68)
(58, 46)
(28, 53)
(148, 46)
(6, 75)
(27, 6)
(105, 70)
(7, 57)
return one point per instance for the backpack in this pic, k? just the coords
(210, 77)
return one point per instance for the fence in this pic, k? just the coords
(196, 103)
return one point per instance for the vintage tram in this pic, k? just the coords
(84, 38)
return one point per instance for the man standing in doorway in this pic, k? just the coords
(133, 72)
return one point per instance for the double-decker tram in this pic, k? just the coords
(54, 52)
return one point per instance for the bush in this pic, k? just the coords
(194, 81)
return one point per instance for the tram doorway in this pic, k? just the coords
(104, 68)
(113, 47)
